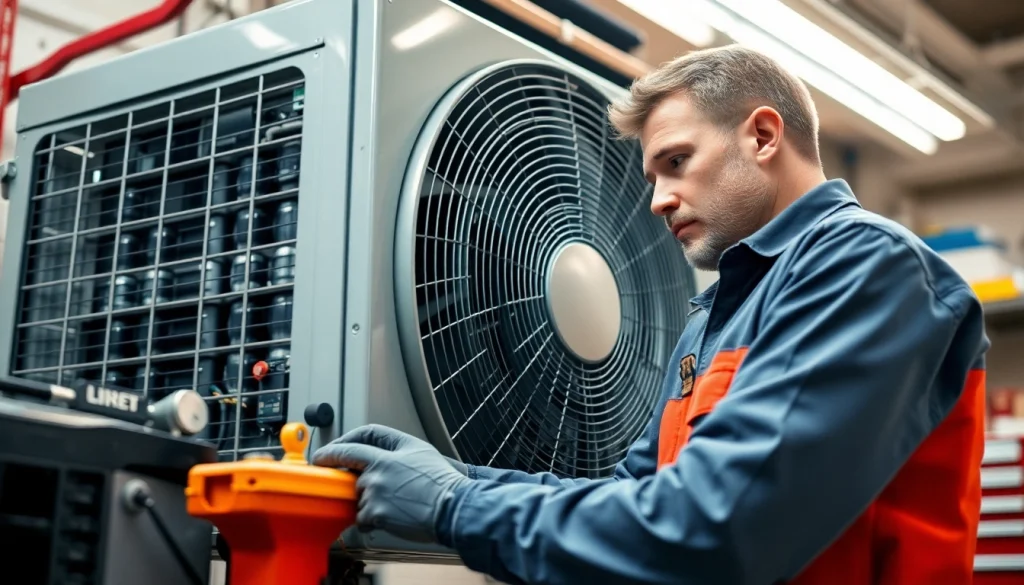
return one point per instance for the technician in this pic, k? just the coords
(821, 421)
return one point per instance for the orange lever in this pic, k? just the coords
(279, 517)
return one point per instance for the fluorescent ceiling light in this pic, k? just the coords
(820, 59)
(807, 38)
(836, 87)
(921, 76)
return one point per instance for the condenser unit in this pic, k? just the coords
(409, 214)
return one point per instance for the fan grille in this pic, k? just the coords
(520, 165)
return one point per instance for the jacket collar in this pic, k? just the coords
(803, 214)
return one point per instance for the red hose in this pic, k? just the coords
(101, 39)
(8, 14)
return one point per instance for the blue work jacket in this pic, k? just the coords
(824, 406)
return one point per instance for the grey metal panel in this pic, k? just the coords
(405, 86)
(307, 311)
(319, 329)
(136, 553)
(361, 198)
(396, 89)
(245, 42)
(394, 92)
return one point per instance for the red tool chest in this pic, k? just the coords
(999, 559)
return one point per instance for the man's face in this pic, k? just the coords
(710, 190)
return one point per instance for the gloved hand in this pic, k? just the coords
(403, 484)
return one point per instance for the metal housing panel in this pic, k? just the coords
(317, 324)
(395, 88)
(295, 27)
(317, 321)
(321, 330)
(402, 81)
(135, 553)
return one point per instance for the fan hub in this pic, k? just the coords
(583, 299)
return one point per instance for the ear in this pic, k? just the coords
(765, 128)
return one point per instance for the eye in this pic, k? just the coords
(677, 160)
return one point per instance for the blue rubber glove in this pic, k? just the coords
(404, 482)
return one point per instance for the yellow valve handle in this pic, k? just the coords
(294, 439)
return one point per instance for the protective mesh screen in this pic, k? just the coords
(160, 253)
(524, 164)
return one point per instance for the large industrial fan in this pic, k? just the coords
(390, 211)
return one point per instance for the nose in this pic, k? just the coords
(663, 202)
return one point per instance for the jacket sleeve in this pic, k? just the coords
(641, 459)
(856, 360)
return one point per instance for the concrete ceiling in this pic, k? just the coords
(982, 21)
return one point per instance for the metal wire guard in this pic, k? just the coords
(161, 252)
(516, 163)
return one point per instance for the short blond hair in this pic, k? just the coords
(726, 84)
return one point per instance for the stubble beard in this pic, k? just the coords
(735, 210)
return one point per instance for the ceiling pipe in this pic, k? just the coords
(1004, 54)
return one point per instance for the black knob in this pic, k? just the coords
(319, 415)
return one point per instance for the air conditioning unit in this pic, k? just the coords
(409, 214)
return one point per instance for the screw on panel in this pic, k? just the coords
(355, 329)
(316, 54)
(136, 495)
